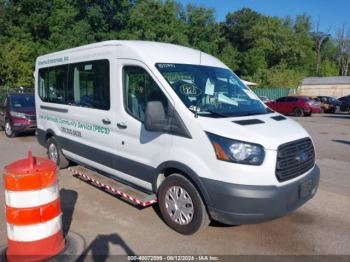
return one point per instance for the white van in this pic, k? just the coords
(176, 122)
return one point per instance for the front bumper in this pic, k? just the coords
(22, 128)
(316, 110)
(307, 110)
(240, 204)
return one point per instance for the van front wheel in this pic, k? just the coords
(181, 205)
(55, 154)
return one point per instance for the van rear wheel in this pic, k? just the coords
(181, 205)
(54, 153)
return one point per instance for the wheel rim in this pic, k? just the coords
(53, 153)
(179, 205)
(298, 112)
(8, 129)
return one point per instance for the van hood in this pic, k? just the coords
(260, 129)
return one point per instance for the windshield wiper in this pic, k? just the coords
(213, 113)
(216, 113)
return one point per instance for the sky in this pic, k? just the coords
(332, 14)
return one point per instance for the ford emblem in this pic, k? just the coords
(301, 157)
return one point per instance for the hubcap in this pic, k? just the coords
(53, 154)
(179, 205)
(8, 128)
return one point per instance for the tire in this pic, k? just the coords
(54, 153)
(199, 219)
(308, 114)
(8, 129)
(322, 111)
(298, 111)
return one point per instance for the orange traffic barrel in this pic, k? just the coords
(33, 212)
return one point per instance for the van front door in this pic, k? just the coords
(142, 151)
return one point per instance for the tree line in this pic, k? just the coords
(272, 51)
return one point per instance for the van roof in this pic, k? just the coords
(149, 51)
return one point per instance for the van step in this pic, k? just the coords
(128, 193)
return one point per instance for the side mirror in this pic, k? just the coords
(155, 117)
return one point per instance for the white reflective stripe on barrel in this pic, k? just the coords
(34, 232)
(34, 198)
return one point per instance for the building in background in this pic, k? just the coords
(325, 86)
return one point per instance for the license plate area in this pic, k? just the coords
(305, 188)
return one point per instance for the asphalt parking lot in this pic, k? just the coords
(110, 226)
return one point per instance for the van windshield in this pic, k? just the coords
(212, 91)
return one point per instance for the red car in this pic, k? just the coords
(295, 105)
(17, 114)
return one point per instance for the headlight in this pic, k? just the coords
(17, 114)
(237, 151)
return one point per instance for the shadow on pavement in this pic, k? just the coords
(341, 141)
(25, 134)
(342, 116)
(68, 200)
(99, 247)
(214, 223)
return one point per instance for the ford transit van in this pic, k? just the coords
(176, 122)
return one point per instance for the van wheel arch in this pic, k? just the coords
(181, 205)
(50, 138)
(172, 167)
(49, 133)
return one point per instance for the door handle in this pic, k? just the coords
(106, 121)
(122, 125)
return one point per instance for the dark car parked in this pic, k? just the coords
(345, 103)
(329, 104)
(17, 114)
(294, 105)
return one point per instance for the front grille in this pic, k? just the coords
(294, 159)
(31, 117)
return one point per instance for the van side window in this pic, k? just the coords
(139, 88)
(53, 84)
(82, 84)
(89, 84)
